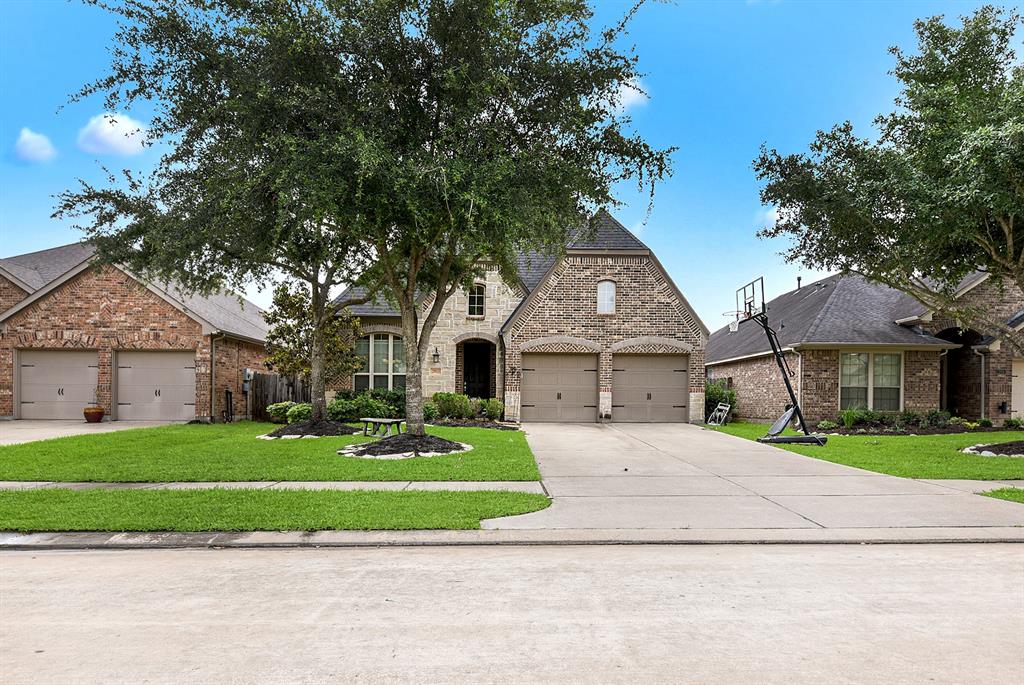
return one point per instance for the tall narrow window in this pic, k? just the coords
(886, 377)
(606, 297)
(853, 381)
(476, 299)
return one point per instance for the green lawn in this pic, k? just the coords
(59, 509)
(1011, 494)
(231, 452)
(910, 456)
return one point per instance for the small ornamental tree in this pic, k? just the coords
(939, 194)
(290, 338)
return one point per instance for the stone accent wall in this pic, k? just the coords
(10, 294)
(760, 393)
(566, 305)
(104, 309)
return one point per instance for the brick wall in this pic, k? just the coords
(10, 294)
(921, 380)
(760, 392)
(104, 309)
(233, 357)
(566, 306)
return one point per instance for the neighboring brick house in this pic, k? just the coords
(73, 332)
(600, 333)
(849, 342)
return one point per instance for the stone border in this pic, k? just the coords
(348, 452)
(978, 451)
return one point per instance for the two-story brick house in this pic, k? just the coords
(600, 333)
(73, 332)
(853, 343)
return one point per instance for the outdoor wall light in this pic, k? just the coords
(437, 356)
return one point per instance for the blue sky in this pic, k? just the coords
(723, 78)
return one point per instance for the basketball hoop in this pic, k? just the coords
(735, 314)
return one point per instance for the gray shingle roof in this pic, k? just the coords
(603, 233)
(837, 310)
(224, 311)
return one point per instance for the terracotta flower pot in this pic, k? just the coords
(93, 414)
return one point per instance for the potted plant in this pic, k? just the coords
(94, 412)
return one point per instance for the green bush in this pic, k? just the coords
(393, 398)
(278, 412)
(300, 412)
(936, 418)
(956, 421)
(361, 406)
(1013, 424)
(493, 409)
(909, 418)
(827, 425)
(852, 417)
(429, 411)
(453, 405)
(985, 423)
(716, 392)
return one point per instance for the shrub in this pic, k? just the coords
(453, 405)
(493, 408)
(972, 425)
(358, 407)
(827, 425)
(909, 418)
(956, 421)
(851, 417)
(429, 411)
(300, 412)
(395, 399)
(278, 412)
(985, 423)
(1013, 424)
(936, 418)
(716, 392)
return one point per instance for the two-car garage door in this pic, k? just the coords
(564, 388)
(148, 386)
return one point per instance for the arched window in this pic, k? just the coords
(606, 297)
(382, 362)
(476, 299)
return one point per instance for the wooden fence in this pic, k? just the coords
(270, 388)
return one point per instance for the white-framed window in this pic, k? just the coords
(382, 362)
(606, 297)
(477, 295)
(871, 380)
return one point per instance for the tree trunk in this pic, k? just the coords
(413, 385)
(317, 380)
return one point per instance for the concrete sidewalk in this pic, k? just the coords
(26, 430)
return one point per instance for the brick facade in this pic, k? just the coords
(565, 306)
(106, 310)
(760, 394)
(10, 294)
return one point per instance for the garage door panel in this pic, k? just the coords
(559, 387)
(56, 384)
(650, 388)
(156, 386)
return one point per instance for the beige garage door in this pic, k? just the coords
(56, 384)
(1017, 389)
(559, 387)
(156, 386)
(650, 388)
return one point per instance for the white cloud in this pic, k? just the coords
(112, 134)
(766, 217)
(631, 95)
(34, 147)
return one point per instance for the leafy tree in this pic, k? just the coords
(939, 194)
(292, 323)
(256, 179)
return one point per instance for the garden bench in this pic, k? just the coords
(381, 424)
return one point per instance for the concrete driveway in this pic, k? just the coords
(674, 476)
(14, 432)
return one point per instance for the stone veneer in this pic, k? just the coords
(106, 310)
(649, 318)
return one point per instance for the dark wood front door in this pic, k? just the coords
(477, 369)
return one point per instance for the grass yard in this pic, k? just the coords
(1010, 494)
(59, 509)
(910, 456)
(231, 452)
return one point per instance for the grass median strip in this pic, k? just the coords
(1009, 494)
(231, 452)
(909, 456)
(59, 509)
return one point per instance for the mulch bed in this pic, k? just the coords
(910, 430)
(405, 443)
(1010, 449)
(494, 425)
(321, 429)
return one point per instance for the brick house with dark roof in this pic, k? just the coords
(850, 342)
(73, 332)
(599, 333)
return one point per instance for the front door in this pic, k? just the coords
(476, 369)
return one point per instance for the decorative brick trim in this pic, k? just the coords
(651, 344)
(560, 344)
(381, 328)
(475, 335)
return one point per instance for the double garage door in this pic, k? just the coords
(148, 386)
(564, 388)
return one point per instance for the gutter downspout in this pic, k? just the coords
(982, 355)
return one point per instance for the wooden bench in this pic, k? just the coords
(380, 425)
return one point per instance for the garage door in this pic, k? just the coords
(156, 386)
(559, 387)
(650, 388)
(56, 384)
(1017, 389)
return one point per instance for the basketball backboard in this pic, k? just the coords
(750, 298)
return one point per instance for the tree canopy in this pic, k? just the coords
(939, 194)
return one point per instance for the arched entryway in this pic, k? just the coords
(476, 362)
(961, 374)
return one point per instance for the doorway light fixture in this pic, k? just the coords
(437, 356)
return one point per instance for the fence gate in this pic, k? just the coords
(270, 388)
